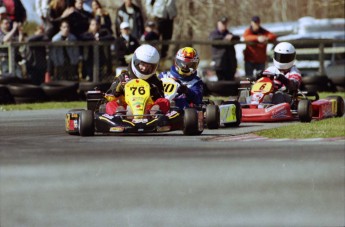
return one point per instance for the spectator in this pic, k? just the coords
(10, 34)
(129, 12)
(164, 12)
(65, 58)
(224, 56)
(101, 15)
(255, 54)
(125, 45)
(56, 9)
(35, 56)
(77, 17)
(15, 10)
(3, 12)
(150, 34)
(42, 10)
(95, 34)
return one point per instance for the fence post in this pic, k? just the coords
(322, 59)
(11, 59)
(96, 62)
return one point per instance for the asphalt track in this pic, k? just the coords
(49, 178)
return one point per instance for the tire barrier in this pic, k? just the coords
(5, 95)
(222, 88)
(61, 90)
(26, 93)
(318, 83)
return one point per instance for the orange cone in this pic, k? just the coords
(47, 77)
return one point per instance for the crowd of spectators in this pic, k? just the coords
(64, 21)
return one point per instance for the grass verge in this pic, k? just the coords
(327, 128)
(44, 105)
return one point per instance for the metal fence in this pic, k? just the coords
(14, 56)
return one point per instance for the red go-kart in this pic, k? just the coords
(261, 101)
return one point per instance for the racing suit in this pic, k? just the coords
(192, 88)
(115, 94)
(288, 79)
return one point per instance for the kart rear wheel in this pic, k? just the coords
(212, 116)
(304, 110)
(340, 104)
(190, 122)
(86, 123)
(238, 115)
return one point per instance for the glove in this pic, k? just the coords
(183, 89)
(109, 97)
(281, 77)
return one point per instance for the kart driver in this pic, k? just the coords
(143, 65)
(287, 76)
(184, 70)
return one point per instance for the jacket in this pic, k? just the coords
(57, 55)
(163, 9)
(256, 52)
(117, 87)
(135, 20)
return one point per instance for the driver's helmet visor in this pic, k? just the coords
(186, 67)
(144, 67)
(284, 58)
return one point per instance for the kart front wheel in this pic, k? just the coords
(190, 122)
(212, 116)
(238, 114)
(86, 123)
(304, 110)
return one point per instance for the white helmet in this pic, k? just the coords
(284, 55)
(145, 61)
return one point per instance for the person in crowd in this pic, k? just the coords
(164, 13)
(77, 17)
(56, 9)
(125, 45)
(255, 53)
(15, 10)
(150, 34)
(65, 58)
(185, 71)
(95, 33)
(102, 16)
(3, 12)
(9, 34)
(129, 12)
(42, 10)
(35, 56)
(224, 56)
(287, 76)
(143, 66)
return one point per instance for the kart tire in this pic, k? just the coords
(304, 110)
(212, 116)
(238, 114)
(190, 122)
(340, 104)
(86, 123)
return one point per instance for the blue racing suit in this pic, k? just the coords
(194, 94)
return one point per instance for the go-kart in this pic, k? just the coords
(136, 119)
(228, 113)
(261, 101)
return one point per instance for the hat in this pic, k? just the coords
(3, 10)
(124, 25)
(256, 19)
(223, 19)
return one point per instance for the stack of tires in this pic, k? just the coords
(221, 88)
(89, 86)
(61, 90)
(317, 83)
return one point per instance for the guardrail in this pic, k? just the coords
(322, 48)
